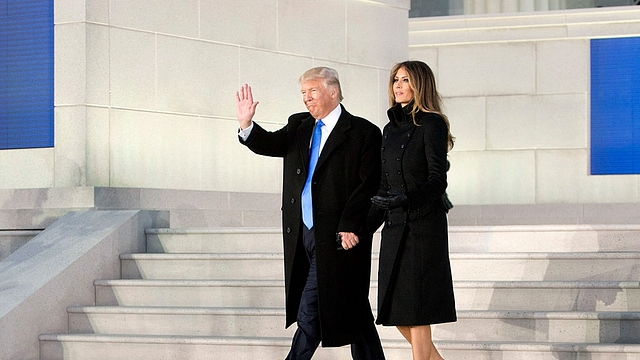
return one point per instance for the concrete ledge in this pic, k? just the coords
(11, 241)
(545, 214)
(22, 209)
(57, 268)
(39, 208)
(545, 25)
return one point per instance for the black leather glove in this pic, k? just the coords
(392, 201)
(447, 203)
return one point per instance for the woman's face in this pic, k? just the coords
(401, 87)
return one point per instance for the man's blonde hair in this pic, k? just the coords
(328, 75)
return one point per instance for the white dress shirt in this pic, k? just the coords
(329, 121)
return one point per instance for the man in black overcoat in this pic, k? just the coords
(327, 265)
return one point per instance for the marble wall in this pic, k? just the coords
(145, 90)
(517, 91)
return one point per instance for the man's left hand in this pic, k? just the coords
(349, 240)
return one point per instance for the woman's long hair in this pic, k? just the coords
(425, 95)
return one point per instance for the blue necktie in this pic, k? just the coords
(307, 207)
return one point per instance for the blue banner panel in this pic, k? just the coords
(615, 106)
(26, 74)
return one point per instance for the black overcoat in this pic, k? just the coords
(414, 277)
(347, 175)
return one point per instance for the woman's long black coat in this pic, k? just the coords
(347, 175)
(415, 285)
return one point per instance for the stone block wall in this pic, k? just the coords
(517, 91)
(145, 90)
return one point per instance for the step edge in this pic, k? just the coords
(256, 311)
(581, 255)
(188, 283)
(281, 341)
(452, 228)
(374, 283)
(203, 256)
(215, 230)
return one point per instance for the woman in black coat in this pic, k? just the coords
(415, 286)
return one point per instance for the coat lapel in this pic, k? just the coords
(303, 135)
(337, 136)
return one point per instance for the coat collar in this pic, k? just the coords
(398, 114)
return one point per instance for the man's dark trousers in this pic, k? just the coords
(307, 336)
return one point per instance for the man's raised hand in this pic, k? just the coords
(245, 106)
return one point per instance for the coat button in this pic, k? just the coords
(293, 201)
(384, 161)
(288, 230)
(298, 171)
(383, 148)
(402, 146)
(399, 172)
(389, 222)
(398, 159)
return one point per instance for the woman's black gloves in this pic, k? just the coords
(391, 201)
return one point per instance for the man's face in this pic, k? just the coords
(319, 100)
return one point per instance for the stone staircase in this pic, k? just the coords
(533, 292)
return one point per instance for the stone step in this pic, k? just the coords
(507, 326)
(522, 293)
(185, 321)
(544, 238)
(547, 295)
(214, 240)
(542, 326)
(551, 266)
(190, 293)
(521, 238)
(249, 266)
(470, 295)
(117, 347)
(465, 266)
